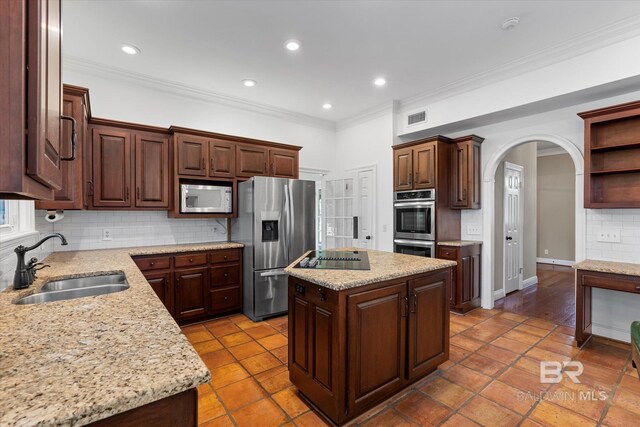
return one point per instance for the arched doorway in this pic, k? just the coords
(488, 202)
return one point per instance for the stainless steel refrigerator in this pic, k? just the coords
(277, 224)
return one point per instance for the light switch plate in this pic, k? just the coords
(609, 235)
(107, 234)
(473, 229)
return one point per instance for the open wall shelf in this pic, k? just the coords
(612, 156)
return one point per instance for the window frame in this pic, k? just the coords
(21, 221)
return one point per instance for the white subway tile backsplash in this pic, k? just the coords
(83, 229)
(628, 221)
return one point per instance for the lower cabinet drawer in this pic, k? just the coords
(225, 299)
(447, 253)
(611, 281)
(224, 276)
(157, 263)
(224, 255)
(190, 260)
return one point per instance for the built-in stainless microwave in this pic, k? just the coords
(414, 215)
(196, 198)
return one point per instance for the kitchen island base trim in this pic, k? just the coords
(351, 349)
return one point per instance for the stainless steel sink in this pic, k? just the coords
(85, 282)
(72, 294)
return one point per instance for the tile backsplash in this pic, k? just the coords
(84, 229)
(626, 221)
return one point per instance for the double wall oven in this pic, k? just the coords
(414, 218)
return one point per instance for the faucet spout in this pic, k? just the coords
(25, 274)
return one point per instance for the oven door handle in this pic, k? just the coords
(413, 205)
(414, 243)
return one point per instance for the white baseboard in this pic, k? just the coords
(611, 332)
(499, 294)
(529, 282)
(555, 261)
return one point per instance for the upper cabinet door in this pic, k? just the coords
(111, 167)
(465, 172)
(44, 92)
(424, 166)
(251, 160)
(193, 152)
(152, 171)
(403, 169)
(222, 158)
(284, 163)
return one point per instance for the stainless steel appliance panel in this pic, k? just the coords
(300, 218)
(270, 293)
(415, 247)
(269, 208)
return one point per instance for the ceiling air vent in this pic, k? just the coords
(415, 118)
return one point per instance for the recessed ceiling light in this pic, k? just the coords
(249, 82)
(327, 106)
(508, 24)
(130, 49)
(380, 81)
(292, 45)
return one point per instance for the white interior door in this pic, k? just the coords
(365, 209)
(338, 211)
(513, 218)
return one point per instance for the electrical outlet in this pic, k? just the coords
(473, 229)
(546, 251)
(609, 235)
(107, 234)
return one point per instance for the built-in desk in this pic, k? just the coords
(615, 276)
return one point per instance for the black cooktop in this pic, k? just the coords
(335, 260)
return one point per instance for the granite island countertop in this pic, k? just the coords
(384, 266)
(627, 268)
(78, 361)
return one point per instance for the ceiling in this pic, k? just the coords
(418, 46)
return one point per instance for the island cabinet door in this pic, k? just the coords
(191, 287)
(376, 345)
(428, 344)
(314, 364)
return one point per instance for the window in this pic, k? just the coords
(16, 219)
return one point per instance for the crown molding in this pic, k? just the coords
(180, 89)
(596, 39)
(552, 151)
(366, 115)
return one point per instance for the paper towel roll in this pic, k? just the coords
(54, 216)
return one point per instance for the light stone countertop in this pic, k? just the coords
(630, 269)
(460, 243)
(384, 266)
(78, 361)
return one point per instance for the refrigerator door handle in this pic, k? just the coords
(287, 226)
(291, 220)
(273, 273)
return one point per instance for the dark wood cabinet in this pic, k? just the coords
(251, 160)
(191, 292)
(192, 153)
(424, 166)
(111, 167)
(351, 349)
(75, 104)
(466, 172)
(612, 157)
(376, 320)
(403, 169)
(465, 289)
(428, 342)
(162, 284)
(196, 286)
(152, 170)
(284, 163)
(31, 99)
(222, 158)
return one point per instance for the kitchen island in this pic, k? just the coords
(117, 359)
(357, 337)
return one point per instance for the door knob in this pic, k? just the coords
(509, 238)
(368, 237)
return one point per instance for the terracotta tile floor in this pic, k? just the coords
(491, 379)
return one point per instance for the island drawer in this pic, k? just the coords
(190, 260)
(225, 275)
(446, 252)
(224, 255)
(153, 263)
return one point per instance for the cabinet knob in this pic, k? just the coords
(226, 274)
(152, 264)
(190, 259)
(226, 298)
(225, 257)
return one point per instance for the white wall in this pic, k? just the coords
(369, 143)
